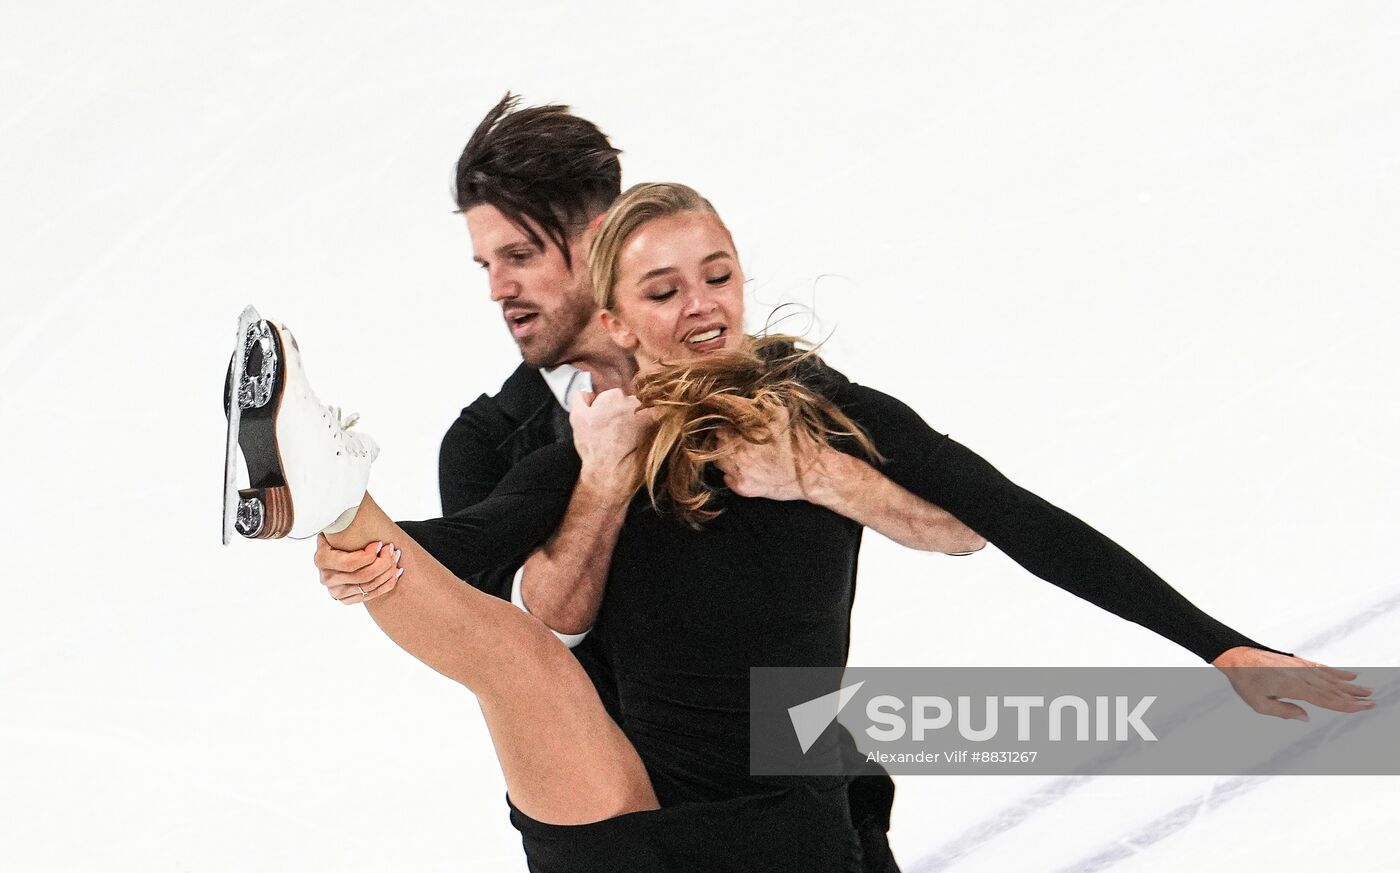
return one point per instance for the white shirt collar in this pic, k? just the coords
(565, 381)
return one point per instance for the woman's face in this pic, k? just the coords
(680, 291)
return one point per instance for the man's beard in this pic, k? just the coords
(557, 345)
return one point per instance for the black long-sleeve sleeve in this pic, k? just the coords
(1044, 539)
(501, 530)
(470, 461)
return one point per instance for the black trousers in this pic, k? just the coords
(802, 829)
(870, 799)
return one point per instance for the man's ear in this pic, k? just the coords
(623, 337)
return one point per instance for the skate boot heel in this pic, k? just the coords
(264, 513)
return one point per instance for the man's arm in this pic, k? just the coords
(849, 486)
(788, 469)
(563, 581)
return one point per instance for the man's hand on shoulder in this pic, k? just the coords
(611, 433)
(785, 466)
(788, 466)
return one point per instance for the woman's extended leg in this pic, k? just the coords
(564, 759)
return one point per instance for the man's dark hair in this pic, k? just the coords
(542, 164)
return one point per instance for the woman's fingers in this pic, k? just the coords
(376, 579)
(1332, 698)
(383, 584)
(1280, 709)
(387, 586)
(1354, 690)
(334, 563)
(336, 560)
(1310, 686)
(1298, 679)
(388, 557)
(353, 594)
(1337, 690)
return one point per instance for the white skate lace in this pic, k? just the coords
(345, 421)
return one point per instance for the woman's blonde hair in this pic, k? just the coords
(736, 391)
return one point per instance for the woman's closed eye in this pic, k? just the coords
(666, 294)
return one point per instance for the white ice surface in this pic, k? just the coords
(1143, 256)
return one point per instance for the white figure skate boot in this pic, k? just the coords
(307, 472)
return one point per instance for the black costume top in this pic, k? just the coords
(491, 436)
(686, 613)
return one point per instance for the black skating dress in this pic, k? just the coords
(768, 583)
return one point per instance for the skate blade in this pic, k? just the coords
(250, 386)
(234, 410)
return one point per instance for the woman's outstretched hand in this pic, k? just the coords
(1265, 690)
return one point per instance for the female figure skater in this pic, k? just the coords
(708, 583)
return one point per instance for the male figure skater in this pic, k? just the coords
(530, 182)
